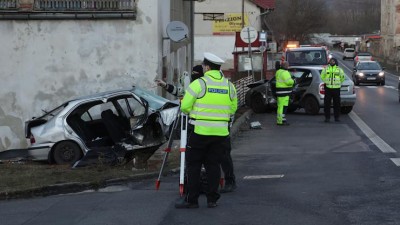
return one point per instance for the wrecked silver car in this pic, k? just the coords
(129, 119)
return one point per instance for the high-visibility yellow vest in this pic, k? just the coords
(284, 83)
(332, 76)
(210, 102)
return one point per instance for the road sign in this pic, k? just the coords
(248, 34)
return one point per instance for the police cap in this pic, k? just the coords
(213, 58)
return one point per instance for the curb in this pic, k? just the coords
(74, 187)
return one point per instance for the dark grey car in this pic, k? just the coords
(368, 72)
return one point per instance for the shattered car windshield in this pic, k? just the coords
(155, 101)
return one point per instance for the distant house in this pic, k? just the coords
(216, 23)
(55, 50)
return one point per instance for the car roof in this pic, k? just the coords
(313, 67)
(369, 61)
(364, 53)
(306, 49)
(105, 94)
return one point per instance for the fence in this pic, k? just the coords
(73, 5)
(84, 5)
(241, 89)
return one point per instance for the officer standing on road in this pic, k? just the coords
(227, 162)
(284, 86)
(210, 102)
(333, 77)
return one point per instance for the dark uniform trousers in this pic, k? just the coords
(332, 93)
(227, 165)
(207, 150)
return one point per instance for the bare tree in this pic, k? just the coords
(296, 19)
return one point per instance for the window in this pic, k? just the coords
(68, 9)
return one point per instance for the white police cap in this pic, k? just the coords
(213, 58)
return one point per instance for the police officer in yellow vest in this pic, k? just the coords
(284, 85)
(333, 77)
(210, 102)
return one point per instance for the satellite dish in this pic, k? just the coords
(177, 31)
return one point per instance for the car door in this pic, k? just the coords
(302, 83)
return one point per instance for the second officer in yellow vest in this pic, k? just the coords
(284, 86)
(210, 102)
(333, 77)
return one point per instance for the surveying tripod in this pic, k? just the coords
(183, 119)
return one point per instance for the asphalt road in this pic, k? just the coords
(308, 173)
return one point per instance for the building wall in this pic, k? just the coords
(45, 63)
(390, 31)
(221, 45)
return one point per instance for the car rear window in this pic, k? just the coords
(306, 57)
(349, 50)
(364, 54)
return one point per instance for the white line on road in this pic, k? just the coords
(381, 144)
(257, 177)
(396, 161)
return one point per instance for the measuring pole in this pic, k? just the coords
(184, 122)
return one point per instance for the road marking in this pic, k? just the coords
(381, 144)
(396, 161)
(257, 177)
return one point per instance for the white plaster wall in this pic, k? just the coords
(45, 63)
(221, 45)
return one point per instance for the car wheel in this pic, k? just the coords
(383, 83)
(356, 82)
(67, 152)
(257, 104)
(311, 106)
(346, 109)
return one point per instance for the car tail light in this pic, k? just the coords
(356, 58)
(32, 139)
(322, 88)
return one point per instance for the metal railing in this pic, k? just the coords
(84, 5)
(241, 89)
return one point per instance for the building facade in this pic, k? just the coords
(53, 51)
(216, 23)
(389, 49)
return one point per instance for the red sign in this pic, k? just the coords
(240, 43)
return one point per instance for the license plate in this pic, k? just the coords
(344, 88)
(371, 78)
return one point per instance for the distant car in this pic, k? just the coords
(362, 56)
(348, 53)
(308, 93)
(368, 72)
(133, 118)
